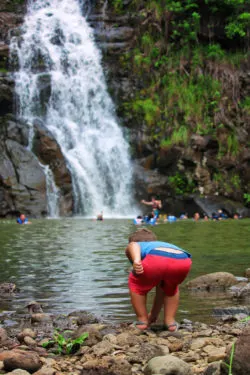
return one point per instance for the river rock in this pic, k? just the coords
(45, 370)
(26, 332)
(167, 365)
(29, 341)
(241, 363)
(247, 273)
(230, 311)
(102, 348)
(126, 339)
(40, 317)
(7, 288)
(244, 292)
(144, 352)
(18, 372)
(215, 353)
(3, 336)
(83, 317)
(216, 280)
(213, 369)
(106, 366)
(17, 359)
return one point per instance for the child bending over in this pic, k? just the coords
(155, 264)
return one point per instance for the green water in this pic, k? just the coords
(75, 264)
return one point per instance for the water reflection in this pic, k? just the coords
(75, 264)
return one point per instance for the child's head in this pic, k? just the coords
(142, 235)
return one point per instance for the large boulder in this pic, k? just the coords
(212, 281)
(49, 153)
(167, 365)
(18, 359)
(241, 363)
(22, 181)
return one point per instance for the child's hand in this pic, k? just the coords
(137, 267)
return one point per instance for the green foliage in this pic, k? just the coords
(246, 197)
(232, 144)
(118, 5)
(66, 345)
(215, 52)
(148, 109)
(239, 26)
(230, 365)
(245, 104)
(180, 184)
(244, 320)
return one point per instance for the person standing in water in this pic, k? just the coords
(155, 264)
(22, 219)
(156, 205)
(100, 216)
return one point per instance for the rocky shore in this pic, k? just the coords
(80, 344)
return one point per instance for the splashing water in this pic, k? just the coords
(60, 82)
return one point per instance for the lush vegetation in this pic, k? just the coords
(179, 93)
(185, 61)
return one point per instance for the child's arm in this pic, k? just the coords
(133, 253)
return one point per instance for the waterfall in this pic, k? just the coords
(60, 81)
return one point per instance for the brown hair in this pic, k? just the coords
(142, 235)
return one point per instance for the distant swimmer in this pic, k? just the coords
(23, 220)
(138, 220)
(156, 205)
(100, 216)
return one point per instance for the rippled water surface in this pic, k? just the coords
(74, 264)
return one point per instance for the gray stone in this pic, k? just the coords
(241, 363)
(231, 311)
(26, 332)
(213, 369)
(247, 273)
(144, 352)
(212, 281)
(102, 348)
(18, 372)
(45, 370)
(128, 339)
(167, 365)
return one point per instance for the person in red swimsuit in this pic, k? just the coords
(156, 205)
(155, 264)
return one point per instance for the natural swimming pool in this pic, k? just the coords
(78, 264)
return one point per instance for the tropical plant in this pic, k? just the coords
(66, 345)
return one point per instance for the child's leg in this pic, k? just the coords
(170, 308)
(157, 305)
(139, 304)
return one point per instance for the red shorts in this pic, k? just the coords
(166, 271)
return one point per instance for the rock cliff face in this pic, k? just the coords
(205, 173)
(191, 176)
(22, 166)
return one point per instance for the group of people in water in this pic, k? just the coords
(154, 217)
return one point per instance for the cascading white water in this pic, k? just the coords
(58, 47)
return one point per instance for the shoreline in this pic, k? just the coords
(114, 349)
